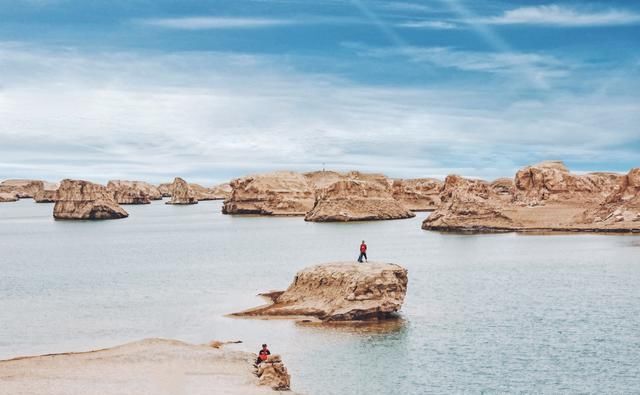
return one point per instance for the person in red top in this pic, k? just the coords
(263, 354)
(363, 252)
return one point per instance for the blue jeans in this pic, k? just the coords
(362, 255)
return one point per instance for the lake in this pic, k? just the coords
(483, 313)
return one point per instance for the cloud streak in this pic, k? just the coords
(210, 22)
(565, 16)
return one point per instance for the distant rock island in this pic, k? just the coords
(341, 291)
(78, 199)
(542, 197)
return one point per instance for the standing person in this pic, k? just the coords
(363, 252)
(263, 354)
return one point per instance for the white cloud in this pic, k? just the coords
(428, 25)
(404, 6)
(206, 22)
(559, 15)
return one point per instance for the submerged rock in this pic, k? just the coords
(21, 188)
(277, 193)
(356, 200)
(274, 374)
(77, 199)
(181, 193)
(342, 291)
(418, 194)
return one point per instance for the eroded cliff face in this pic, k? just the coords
(48, 194)
(218, 192)
(181, 193)
(277, 193)
(544, 197)
(77, 199)
(21, 188)
(165, 189)
(418, 194)
(342, 291)
(6, 197)
(133, 192)
(356, 199)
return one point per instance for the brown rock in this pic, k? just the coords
(343, 291)
(133, 192)
(278, 193)
(21, 188)
(84, 200)
(621, 209)
(418, 194)
(6, 197)
(181, 193)
(218, 192)
(273, 373)
(48, 194)
(356, 200)
(165, 189)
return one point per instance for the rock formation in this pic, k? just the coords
(543, 197)
(418, 194)
(78, 199)
(273, 373)
(21, 188)
(278, 193)
(343, 291)
(356, 199)
(218, 192)
(181, 193)
(131, 192)
(150, 366)
(165, 189)
(8, 197)
(48, 194)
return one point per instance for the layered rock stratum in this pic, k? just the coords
(341, 291)
(77, 199)
(218, 192)
(21, 188)
(48, 194)
(151, 366)
(182, 193)
(542, 197)
(277, 193)
(133, 192)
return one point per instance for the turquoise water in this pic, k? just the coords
(484, 313)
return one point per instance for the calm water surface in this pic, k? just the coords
(484, 313)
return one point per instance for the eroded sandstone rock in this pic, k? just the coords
(274, 374)
(342, 291)
(48, 194)
(165, 189)
(77, 199)
(6, 197)
(418, 194)
(218, 192)
(21, 188)
(181, 193)
(133, 192)
(277, 193)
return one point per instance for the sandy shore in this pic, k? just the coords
(151, 366)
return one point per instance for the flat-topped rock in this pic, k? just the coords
(151, 366)
(341, 291)
(277, 193)
(78, 199)
(417, 194)
(21, 188)
(181, 193)
(218, 192)
(356, 200)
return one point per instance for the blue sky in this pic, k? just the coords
(209, 90)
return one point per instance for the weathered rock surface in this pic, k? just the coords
(356, 199)
(165, 189)
(132, 192)
(21, 188)
(181, 193)
(78, 199)
(343, 291)
(543, 197)
(218, 192)
(48, 194)
(151, 366)
(8, 197)
(273, 373)
(418, 194)
(277, 193)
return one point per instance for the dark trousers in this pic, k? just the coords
(362, 255)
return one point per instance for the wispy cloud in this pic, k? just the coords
(209, 22)
(428, 24)
(404, 6)
(560, 15)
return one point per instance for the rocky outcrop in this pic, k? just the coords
(273, 373)
(418, 194)
(356, 200)
(343, 291)
(181, 193)
(165, 189)
(150, 366)
(78, 199)
(21, 188)
(6, 197)
(543, 197)
(219, 192)
(278, 193)
(48, 194)
(133, 192)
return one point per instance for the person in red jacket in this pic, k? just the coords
(263, 354)
(363, 252)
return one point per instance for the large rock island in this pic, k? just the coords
(12, 190)
(543, 197)
(182, 193)
(417, 194)
(152, 366)
(77, 199)
(341, 291)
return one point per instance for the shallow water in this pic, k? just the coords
(484, 313)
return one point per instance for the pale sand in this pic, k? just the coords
(151, 366)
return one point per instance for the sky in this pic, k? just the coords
(213, 90)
